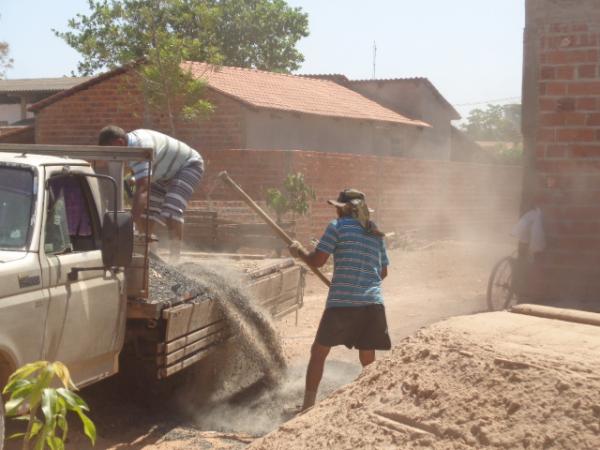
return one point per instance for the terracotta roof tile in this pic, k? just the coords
(283, 92)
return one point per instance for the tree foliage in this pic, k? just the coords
(5, 60)
(295, 197)
(495, 123)
(31, 391)
(165, 33)
(168, 89)
(248, 33)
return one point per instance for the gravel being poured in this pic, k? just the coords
(259, 344)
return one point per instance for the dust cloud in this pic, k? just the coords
(248, 373)
(252, 328)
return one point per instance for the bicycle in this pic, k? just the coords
(504, 285)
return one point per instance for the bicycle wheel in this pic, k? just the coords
(500, 292)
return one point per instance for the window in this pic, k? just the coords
(16, 204)
(72, 223)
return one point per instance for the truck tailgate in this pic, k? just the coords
(188, 329)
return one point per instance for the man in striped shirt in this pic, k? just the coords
(175, 173)
(354, 315)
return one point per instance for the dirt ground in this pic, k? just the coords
(442, 280)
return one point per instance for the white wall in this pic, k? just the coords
(289, 131)
(12, 113)
(416, 101)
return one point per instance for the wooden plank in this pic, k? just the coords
(191, 316)
(144, 310)
(274, 284)
(205, 342)
(258, 273)
(164, 372)
(192, 337)
(564, 314)
(284, 297)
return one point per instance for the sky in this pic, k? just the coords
(471, 50)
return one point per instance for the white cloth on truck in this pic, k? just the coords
(530, 230)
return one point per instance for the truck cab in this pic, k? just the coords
(50, 223)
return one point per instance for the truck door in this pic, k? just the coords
(23, 301)
(86, 315)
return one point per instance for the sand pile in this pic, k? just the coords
(497, 380)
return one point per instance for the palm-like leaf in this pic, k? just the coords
(31, 387)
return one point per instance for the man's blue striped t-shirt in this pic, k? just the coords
(358, 257)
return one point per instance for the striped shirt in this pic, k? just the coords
(358, 258)
(170, 155)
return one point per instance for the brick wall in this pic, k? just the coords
(562, 131)
(437, 198)
(77, 119)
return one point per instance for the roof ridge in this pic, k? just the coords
(252, 69)
(365, 80)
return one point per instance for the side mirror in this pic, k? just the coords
(117, 239)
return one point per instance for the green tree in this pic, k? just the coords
(248, 33)
(295, 197)
(5, 59)
(495, 123)
(167, 87)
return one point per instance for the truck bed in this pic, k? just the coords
(178, 330)
(276, 284)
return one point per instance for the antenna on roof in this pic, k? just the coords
(374, 59)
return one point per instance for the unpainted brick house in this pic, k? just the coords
(417, 98)
(253, 110)
(561, 99)
(16, 123)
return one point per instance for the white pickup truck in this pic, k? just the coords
(71, 287)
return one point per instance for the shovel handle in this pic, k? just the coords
(224, 176)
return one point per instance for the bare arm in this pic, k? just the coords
(316, 258)
(384, 272)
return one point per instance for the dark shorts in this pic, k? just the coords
(360, 327)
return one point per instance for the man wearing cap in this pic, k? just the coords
(176, 172)
(354, 315)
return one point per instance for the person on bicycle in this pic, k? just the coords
(531, 234)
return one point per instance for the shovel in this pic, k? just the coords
(276, 228)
